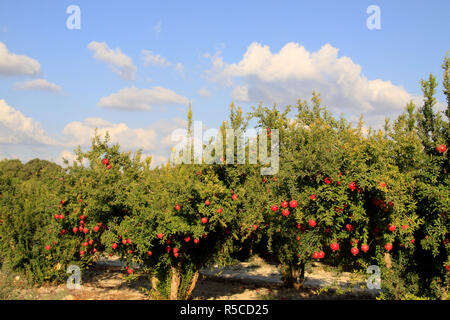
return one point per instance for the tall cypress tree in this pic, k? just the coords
(427, 119)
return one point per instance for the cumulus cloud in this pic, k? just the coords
(151, 59)
(119, 62)
(294, 72)
(17, 65)
(81, 133)
(142, 99)
(240, 93)
(155, 140)
(17, 129)
(203, 92)
(38, 84)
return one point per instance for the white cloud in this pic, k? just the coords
(154, 140)
(294, 73)
(38, 84)
(149, 58)
(240, 93)
(141, 99)
(203, 92)
(16, 128)
(22, 137)
(119, 62)
(16, 65)
(81, 133)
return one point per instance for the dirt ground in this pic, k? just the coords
(253, 280)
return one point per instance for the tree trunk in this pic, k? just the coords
(193, 283)
(291, 277)
(154, 281)
(174, 284)
(301, 278)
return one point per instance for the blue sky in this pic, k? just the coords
(247, 52)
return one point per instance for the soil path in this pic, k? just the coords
(253, 280)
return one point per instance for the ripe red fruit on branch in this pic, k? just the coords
(124, 241)
(349, 227)
(177, 207)
(204, 220)
(91, 242)
(129, 241)
(187, 239)
(404, 227)
(85, 244)
(175, 250)
(312, 223)
(392, 227)
(75, 230)
(327, 180)
(219, 210)
(130, 271)
(352, 186)
(321, 254)
(168, 249)
(96, 228)
(255, 226)
(196, 241)
(109, 166)
(365, 247)
(48, 247)
(315, 255)
(149, 253)
(85, 230)
(160, 235)
(114, 246)
(274, 208)
(82, 253)
(334, 246)
(234, 196)
(293, 203)
(388, 246)
(285, 212)
(284, 204)
(354, 251)
(441, 148)
(207, 203)
(105, 161)
(175, 254)
(313, 197)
